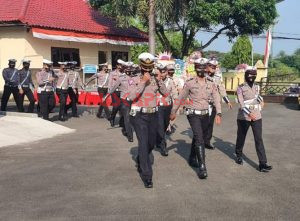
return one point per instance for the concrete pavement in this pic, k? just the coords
(91, 175)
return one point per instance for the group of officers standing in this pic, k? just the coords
(148, 97)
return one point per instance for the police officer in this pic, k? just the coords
(198, 90)
(124, 82)
(250, 115)
(74, 84)
(46, 79)
(116, 102)
(165, 104)
(26, 86)
(11, 78)
(213, 77)
(62, 86)
(102, 82)
(144, 114)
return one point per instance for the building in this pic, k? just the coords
(61, 30)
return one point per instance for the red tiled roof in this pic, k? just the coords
(72, 15)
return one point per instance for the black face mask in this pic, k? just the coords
(200, 71)
(12, 65)
(250, 77)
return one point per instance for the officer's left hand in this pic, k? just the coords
(172, 117)
(218, 120)
(229, 105)
(262, 104)
(21, 91)
(158, 76)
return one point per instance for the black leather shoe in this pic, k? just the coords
(75, 115)
(164, 152)
(62, 119)
(148, 183)
(209, 146)
(130, 139)
(193, 162)
(202, 172)
(112, 123)
(239, 160)
(124, 132)
(264, 167)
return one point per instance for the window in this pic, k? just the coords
(101, 57)
(115, 55)
(65, 54)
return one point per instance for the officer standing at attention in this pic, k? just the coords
(249, 114)
(11, 78)
(116, 102)
(144, 114)
(165, 104)
(62, 86)
(124, 82)
(26, 86)
(74, 84)
(102, 81)
(45, 79)
(199, 90)
(211, 76)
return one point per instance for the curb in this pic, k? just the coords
(17, 114)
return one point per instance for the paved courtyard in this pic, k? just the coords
(90, 175)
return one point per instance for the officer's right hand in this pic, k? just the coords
(172, 117)
(252, 116)
(51, 79)
(146, 77)
(21, 91)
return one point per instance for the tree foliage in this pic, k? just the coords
(240, 53)
(232, 17)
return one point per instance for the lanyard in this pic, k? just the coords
(25, 78)
(13, 75)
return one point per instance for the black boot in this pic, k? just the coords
(193, 158)
(239, 160)
(209, 146)
(200, 153)
(62, 118)
(263, 167)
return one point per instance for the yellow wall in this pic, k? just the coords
(16, 42)
(231, 80)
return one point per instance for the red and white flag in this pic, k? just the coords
(268, 48)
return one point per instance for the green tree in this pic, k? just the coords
(232, 17)
(240, 53)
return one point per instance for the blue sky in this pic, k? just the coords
(288, 22)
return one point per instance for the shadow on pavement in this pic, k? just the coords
(229, 149)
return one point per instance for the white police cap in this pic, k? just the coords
(160, 66)
(146, 59)
(201, 61)
(45, 61)
(104, 64)
(250, 68)
(25, 60)
(12, 60)
(121, 62)
(213, 61)
(62, 63)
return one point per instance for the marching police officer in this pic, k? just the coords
(212, 76)
(249, 114)
(26, 86)
(199, 90)
(74, 84)
(11, 78)
(116, 102)
(144, 114)
(102, 82)
(45, 79)
(165, 104)
(62, 86)
(124, 82)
